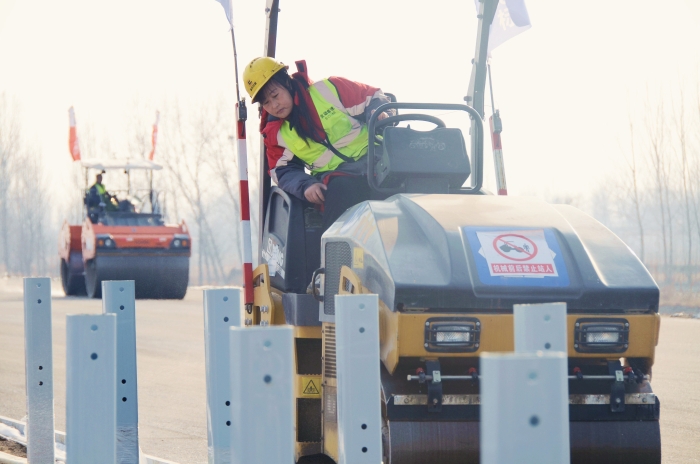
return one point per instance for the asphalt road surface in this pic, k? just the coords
(172, 395)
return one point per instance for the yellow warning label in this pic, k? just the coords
(358, 258)
(311, 386)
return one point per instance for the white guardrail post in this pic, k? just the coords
(540, 327)
(262, 404)
(222, 310)
(359, 391)
(525, 395)
(118, 299)
(39, 370)
(91, 389)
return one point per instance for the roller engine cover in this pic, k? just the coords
(462, 253)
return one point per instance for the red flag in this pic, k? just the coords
(73, 145)
(154, 137)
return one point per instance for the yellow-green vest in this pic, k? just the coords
(345, 133)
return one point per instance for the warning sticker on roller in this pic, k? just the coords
(522, 253)
(310, 386)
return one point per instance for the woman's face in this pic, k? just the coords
(277, 100)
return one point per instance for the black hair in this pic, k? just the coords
(300, 118)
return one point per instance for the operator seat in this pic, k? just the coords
(291, 244)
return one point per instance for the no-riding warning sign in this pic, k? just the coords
(521, 253)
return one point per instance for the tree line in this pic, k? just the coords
(27, 236)
(654, 206)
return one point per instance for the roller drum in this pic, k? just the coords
(595, 442)
(156, 277)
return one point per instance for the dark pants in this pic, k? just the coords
(343, 192)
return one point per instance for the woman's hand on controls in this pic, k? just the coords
(314, 194)
(381, 116)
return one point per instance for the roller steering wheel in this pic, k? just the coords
(404, 117)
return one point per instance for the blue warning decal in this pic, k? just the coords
(517, 257)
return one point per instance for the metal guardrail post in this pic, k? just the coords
(359, 391)
(91, 389)
(540, 327)
(118, 299)
(262, 405)
(39, 370)
(525, 395)
(222, 310)
(524, 408)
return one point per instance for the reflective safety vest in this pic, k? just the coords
(100, 189)
(345, 133)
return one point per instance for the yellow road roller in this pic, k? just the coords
(449, 261)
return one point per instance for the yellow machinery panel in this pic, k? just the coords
(403, 335)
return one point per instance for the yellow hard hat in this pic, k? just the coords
(258, 72)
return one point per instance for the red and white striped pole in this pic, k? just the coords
(242, 152)
(241, 116)
(496, 128)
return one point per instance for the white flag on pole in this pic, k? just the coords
(510, 20)
(226, 4)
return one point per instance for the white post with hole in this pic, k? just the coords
(91, 389)
(262, 397)
(359, 391)
(525, 395)
(540, 327)
(222, 310)
(524, 408)
(118, 299)
(38, 365)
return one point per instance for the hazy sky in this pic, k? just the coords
(565, 87)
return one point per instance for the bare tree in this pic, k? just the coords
(187, 146)
(632, 164)
(31, 215)
(138, 133)
(680, 126)
(10, 133)
(656, 135)
(223, 165)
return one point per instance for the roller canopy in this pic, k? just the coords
(120, 164)
(467, 252)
